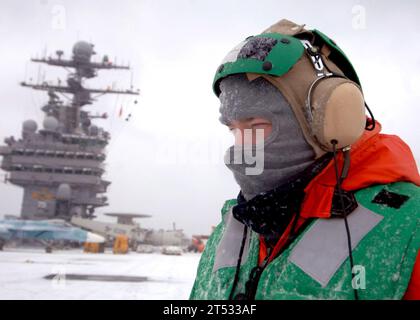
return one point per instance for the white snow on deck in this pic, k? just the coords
(22, 272)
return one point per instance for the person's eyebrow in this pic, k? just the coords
(247, 120)
(260, 120)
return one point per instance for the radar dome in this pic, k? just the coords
(50, 123)
(63, 192)
(86, 122)
(93, 130)
(83, 50)
(29, 126)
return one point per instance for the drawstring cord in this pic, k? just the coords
(340, 192)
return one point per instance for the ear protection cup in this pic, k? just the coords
(335, 106)
(336, 110)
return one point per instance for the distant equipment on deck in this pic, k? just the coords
(120, 245)
(136, 234)
(93, 247)
(125, 226)
(47, 232)
(172, 251)
(198, 243)
(127, 218)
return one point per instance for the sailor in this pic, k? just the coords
(329, 209)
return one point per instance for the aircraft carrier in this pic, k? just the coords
(60, 165)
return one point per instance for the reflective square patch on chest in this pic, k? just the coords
(323, 248)
(390, 199)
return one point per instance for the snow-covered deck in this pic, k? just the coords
(22, 273)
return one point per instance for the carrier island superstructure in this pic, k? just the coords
(60, 165)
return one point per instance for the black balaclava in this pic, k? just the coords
(286, 152)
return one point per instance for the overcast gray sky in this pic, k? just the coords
(167, 161)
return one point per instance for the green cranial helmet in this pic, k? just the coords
(275, 54)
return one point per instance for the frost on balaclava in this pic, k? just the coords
(286, 152)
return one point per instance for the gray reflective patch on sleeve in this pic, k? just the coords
(227, 252)
(323, 248)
